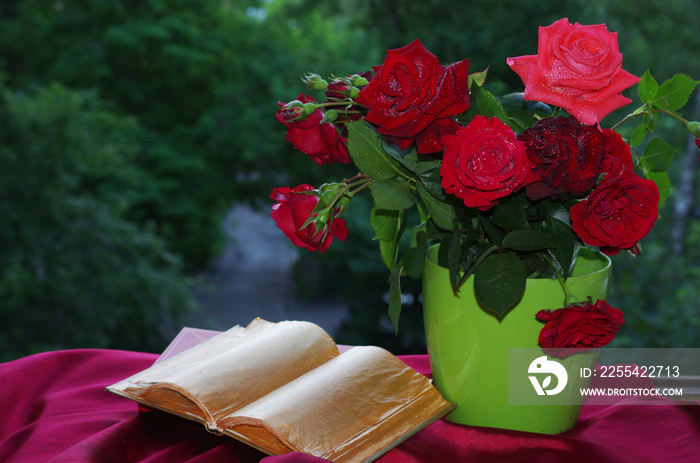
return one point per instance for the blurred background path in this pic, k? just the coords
(253, 278)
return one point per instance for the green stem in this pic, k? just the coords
(360, 188)
(360, 179)
(674, 115)
(646, 109)
(352, 186)
(568, 296)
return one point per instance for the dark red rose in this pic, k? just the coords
(484, 162)
(615, 152)
(320, 140)
(566, 155)
(584, 326)
(293, 208)
(618, 213)
(411, 91)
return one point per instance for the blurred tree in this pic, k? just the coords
(159, 61)
(75, 273)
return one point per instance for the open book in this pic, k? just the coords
(283, 387)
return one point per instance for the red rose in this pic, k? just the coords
(697, 143)
(430, 139)
(484, 162)
(618, 213)
(411, 91)
(294, 206)
(582, 326)
(578, 68)
(310, 135)
(615, 152)
(567, 156)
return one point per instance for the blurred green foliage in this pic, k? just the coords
(128, 128)
(75, 272)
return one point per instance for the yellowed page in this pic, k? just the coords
(231, 370)
(352, 408)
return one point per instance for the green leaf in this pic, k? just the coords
(647, 88)
(523, 113)
(413, 262)
(414, 256)
(516, 124)
(388, 227)
(451, 257)
(559, 211)
(510, 214)
(407, 158)
(663, 181)
(494, 233)
(388, 250)
(526, 240)
(385, 223)
(499, 282)
(477, 78)
(432, 181)
(367, 152)
(638, 135)
(676, 91)
(658, 156)
(392, 194)
(485, 104)
(564, 244)
(395, 297)
(442, 214)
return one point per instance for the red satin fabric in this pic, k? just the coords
(55, 409)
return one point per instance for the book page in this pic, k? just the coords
(231, 370)
(352, 408)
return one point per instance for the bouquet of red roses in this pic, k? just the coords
(511, 187)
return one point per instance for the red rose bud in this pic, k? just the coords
(330, 116)
(293, 213)
(582, 326)
(339, 89)
(694, 128)
(358, 81)
(315, 82)
(320, 220)
(313, 135)
(291, 112)
(329, 192)
(310, 108)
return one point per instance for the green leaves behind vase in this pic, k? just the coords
(468, 347)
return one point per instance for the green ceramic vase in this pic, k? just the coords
(468, 347)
